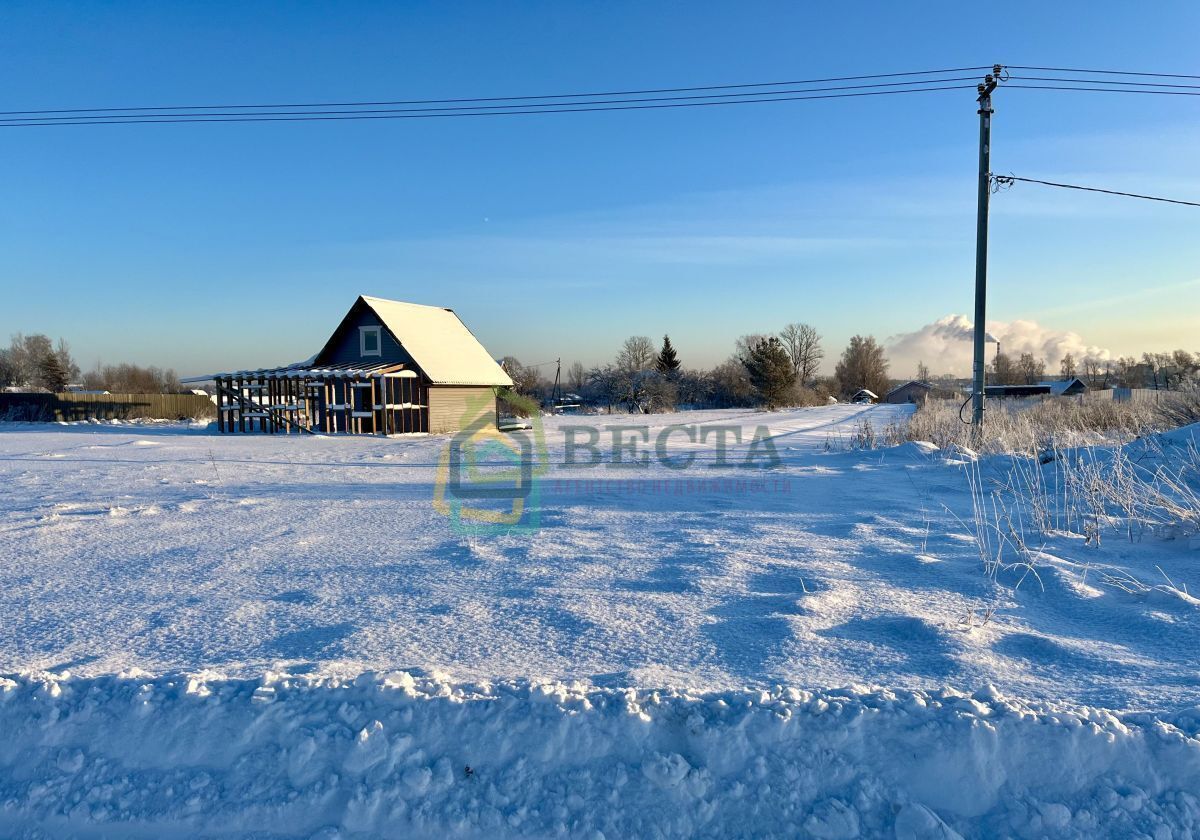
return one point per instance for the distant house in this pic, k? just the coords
(863, 395)
(918, 392)
(1066, 387)
(388, 368)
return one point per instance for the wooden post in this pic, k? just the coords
(220, 414)
(374, 414)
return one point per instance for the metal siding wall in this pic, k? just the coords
(449, 403)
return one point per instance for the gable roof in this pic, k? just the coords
(916, 382)
(438, 341)
(1058, 387)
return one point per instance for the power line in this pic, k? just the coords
(526, 105)
(351, 115)
(513, 98)
(1007, 180)
(1104, 90)
(715, 96)
(1103, 82)
(1101, 72)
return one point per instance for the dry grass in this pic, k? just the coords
(1065, 470)
(1058, 423)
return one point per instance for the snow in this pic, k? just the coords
(398, 755)
(244, 633)
(420, 756)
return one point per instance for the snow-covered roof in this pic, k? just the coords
(866, 392)
(916, 382)
(1058, 387)
(439, 342)
(306, 370)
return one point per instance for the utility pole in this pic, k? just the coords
(554, 395)
(981, 233)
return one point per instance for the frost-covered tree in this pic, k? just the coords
(637, 353)
(694, 389)
(731, 386)
(637, 391)
(525, 379)
(923, 372)
(631, 381)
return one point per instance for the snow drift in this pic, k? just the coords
(403, 755)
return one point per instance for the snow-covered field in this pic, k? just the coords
(283, 636)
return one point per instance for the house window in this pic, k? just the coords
(369, 343)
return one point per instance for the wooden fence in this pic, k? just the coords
(1136, 395)
(72, 406)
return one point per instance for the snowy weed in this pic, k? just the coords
(1055, 423)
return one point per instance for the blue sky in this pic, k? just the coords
(205, 247)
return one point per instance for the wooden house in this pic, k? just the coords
(388, 368)
(910, 392)
(1005, 392)
(919, 393)
(1072, 386)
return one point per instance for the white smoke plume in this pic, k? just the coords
(945, 345)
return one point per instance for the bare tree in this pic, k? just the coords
(862, 365)
(1153, 363)
(923, 372)
(525, 379)
(803, 345)
(66, 360)
(576, 377)
(131, 379)
(1128, 372)
(1030, 370)
(1004, 370)
(8, 369)
(1067, 366)
(1096, 374)
(743, 345)
(32, 361)
(731, 386)
(25, 356)
(637, 353)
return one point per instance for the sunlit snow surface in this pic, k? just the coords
(173, 549)
(281, 636)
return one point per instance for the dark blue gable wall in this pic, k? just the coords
(343, 348)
